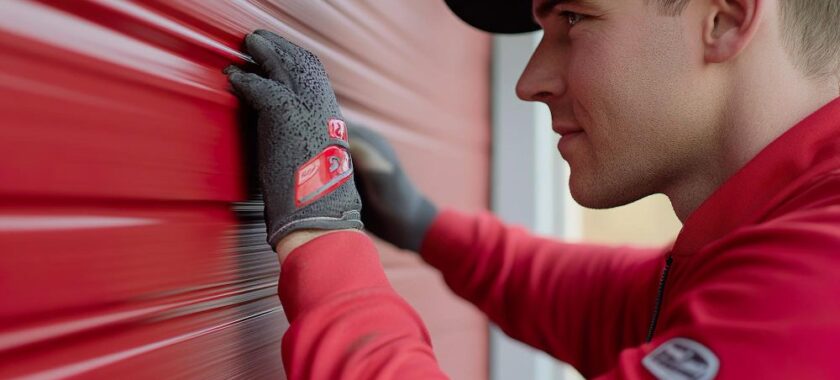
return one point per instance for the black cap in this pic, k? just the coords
(496, 16)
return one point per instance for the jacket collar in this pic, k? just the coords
(810, 148)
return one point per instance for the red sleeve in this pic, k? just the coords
(346, 321)
(581, 303)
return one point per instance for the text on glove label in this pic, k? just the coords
(321, 175)
(337, 129)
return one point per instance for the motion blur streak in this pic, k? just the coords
(119, 250)
(131, 243)
(27, 222)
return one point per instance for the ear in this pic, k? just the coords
(729, 27)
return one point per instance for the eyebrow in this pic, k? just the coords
(547, 6)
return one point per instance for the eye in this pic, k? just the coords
(573, 17)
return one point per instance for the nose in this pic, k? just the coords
(544, 77)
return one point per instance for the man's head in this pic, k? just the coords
(658, 88)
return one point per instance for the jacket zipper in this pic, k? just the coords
(659, 294)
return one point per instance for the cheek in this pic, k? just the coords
(591, 59)
(601, 82)
(626, 78)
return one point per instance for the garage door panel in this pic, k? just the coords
(453, 354)
(90, 131)
(415, 283)
(219, 342)
(129, 241)
(81, 258)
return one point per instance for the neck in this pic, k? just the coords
(756, 111)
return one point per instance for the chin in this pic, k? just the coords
(601, 194)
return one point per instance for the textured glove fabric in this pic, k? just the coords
(306, 173)
(394, 209)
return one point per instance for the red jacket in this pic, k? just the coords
(753, 291)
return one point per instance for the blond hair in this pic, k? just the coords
(810, 29)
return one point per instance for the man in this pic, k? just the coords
(729, 107)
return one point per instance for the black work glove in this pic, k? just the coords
(304, 165)
(394, 209)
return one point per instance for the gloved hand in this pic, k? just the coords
(394, 209)
(305, 169)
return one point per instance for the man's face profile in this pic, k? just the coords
(632, 80)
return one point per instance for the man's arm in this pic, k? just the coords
(581, 303)
(346, 321)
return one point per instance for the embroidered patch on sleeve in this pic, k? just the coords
(682, 359)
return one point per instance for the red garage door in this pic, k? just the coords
(128, 243)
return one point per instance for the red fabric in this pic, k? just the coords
(755, 278)
(346, 321)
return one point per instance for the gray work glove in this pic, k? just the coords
(394, 209)
(305, 169)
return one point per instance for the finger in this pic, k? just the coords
(374, 153)
(297, 55)
(230, 69)
(282, 43)
(252, 88)
(373, 139)
(368, 158)
(275, 62)
(261, 93)
(307, 77)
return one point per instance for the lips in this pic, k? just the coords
(563, 129)
(569, 134)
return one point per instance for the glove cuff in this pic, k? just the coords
(349, 220)
(425, 214)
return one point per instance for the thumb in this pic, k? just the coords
(369, 159)
(372, 148)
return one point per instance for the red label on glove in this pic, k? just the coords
(322, 174)
(337, 129)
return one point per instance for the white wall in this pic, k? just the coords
(529, 188)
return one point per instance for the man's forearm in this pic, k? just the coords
(541, 291)
(345, 319)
